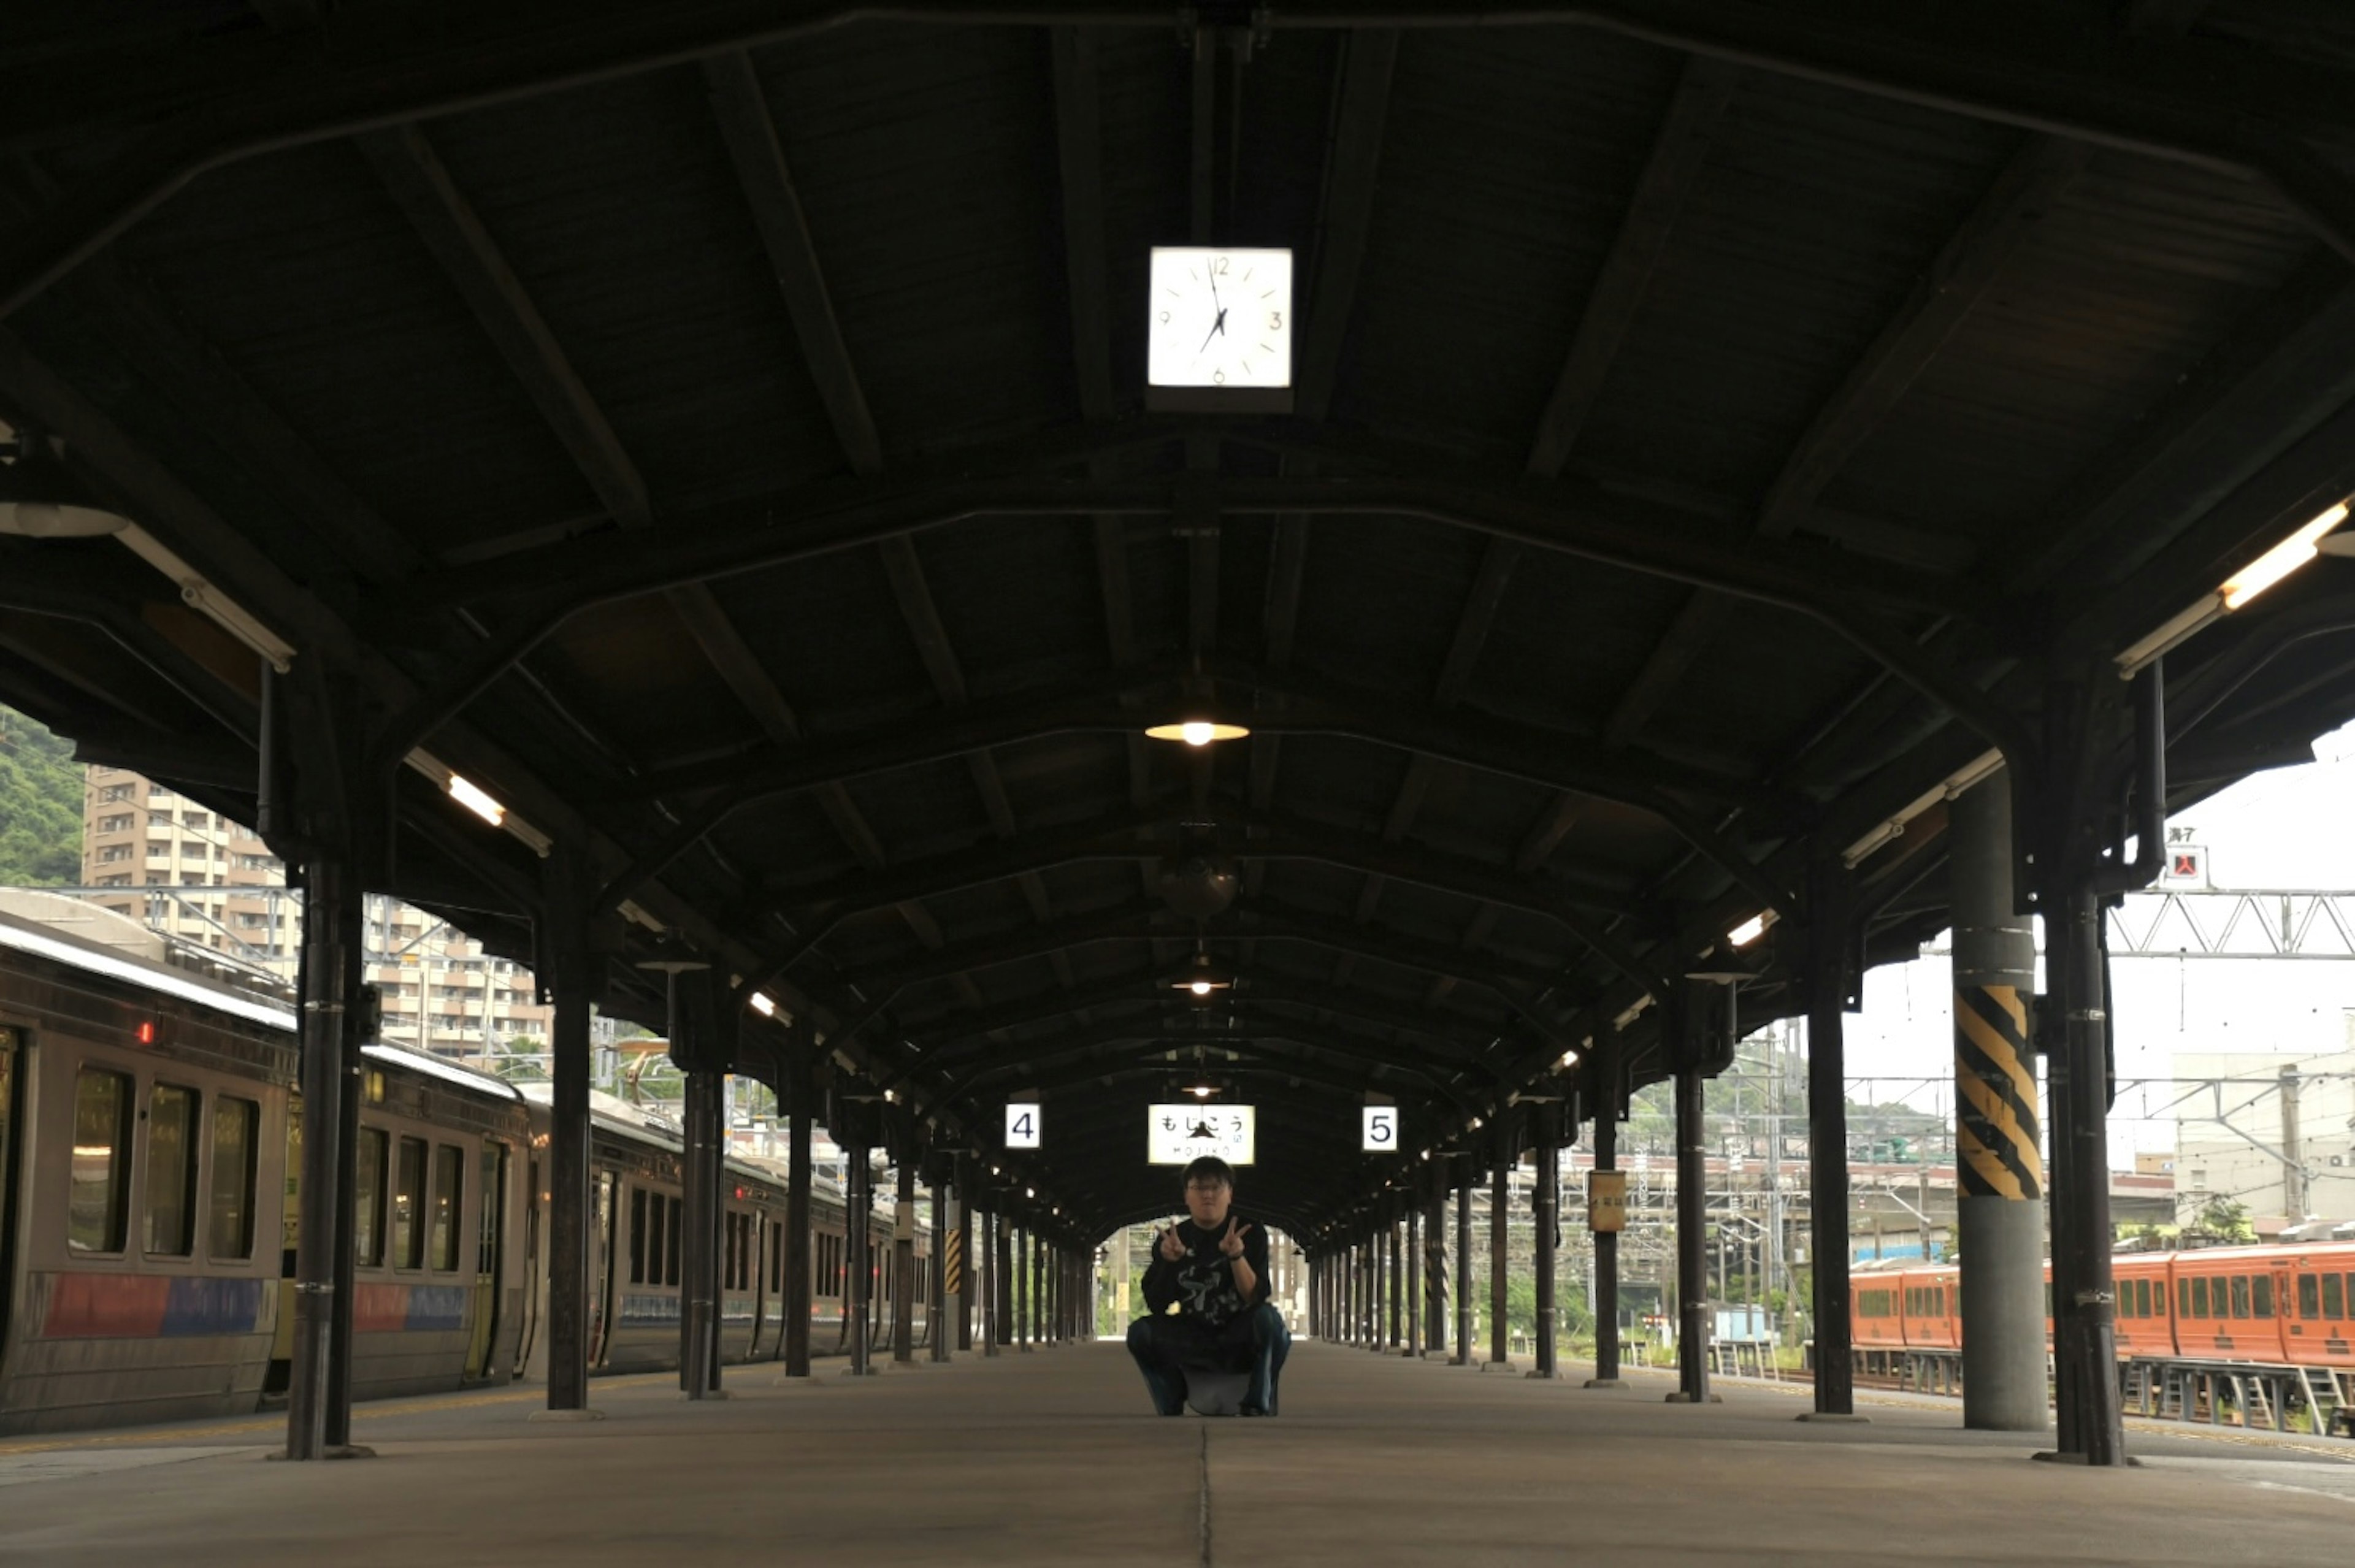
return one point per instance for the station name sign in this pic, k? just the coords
(1179, 1135)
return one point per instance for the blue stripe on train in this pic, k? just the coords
(201, 1306)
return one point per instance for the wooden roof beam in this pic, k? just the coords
(741, 109)
(1678, 150)
(1361, 99)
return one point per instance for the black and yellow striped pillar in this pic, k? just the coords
(1999, 1164)
(1996, 1133)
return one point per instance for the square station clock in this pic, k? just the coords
(1218, 331)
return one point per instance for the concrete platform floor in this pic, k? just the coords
(1049, 1458)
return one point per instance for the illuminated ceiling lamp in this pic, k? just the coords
(42, 500)
(2311, 539)
(1204, 976)
(1197, 730)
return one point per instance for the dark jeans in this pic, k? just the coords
(1166, 1348)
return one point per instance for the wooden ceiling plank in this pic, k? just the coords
(2035, 180)
(741, 109)
(1678, 150)
(1345, 220)
(420, 185)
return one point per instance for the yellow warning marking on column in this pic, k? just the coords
(953, 1263)
(1997, 1128)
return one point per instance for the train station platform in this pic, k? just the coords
(1051, 1459)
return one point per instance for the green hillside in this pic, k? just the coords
(40, 805)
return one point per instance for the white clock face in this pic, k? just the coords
(1220, 318)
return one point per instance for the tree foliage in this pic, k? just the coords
(40, 805)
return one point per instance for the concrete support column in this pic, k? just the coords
(1828, 920)
(801, 1095)
(903, 1264)
(1692, 1240)
(2000, 1166)
(1499, 1256)
(1607, 1076)
(1545, 1203)
(1463, 1173)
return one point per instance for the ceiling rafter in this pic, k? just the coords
(2035, 179)
(1678, 150)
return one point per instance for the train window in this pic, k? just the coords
(168, 1223)
(236, 1128)
(409, 1206)
(492, 1190)
(2142, 1298)
(744, 1251)
(2239, 1296)
(2200, 1298)
(637, 1235)
(2261, 1295)
(776, 1252)
(448, 1176)
(670, 1251)
(2309, 1296)
(2183, 1298)
(368, 1199)
(2333, 1301)
(98, 1206)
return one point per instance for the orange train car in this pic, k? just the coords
(2289, 1305)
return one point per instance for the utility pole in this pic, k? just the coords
(2293, 1157)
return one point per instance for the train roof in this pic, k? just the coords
(448, 1071)
(34, 940)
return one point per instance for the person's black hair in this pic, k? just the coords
(1210, 1167)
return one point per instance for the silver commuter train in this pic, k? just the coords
(150, 1133)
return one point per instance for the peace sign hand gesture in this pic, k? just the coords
(1172, 1248)
(1232, 1244)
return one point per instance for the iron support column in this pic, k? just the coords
(700, 1216)
(858, 1217)
(1001, 1291)
(1606, 1243)
(570, 884)
(967, 1263)
(2000, 1220)
(903, 1265)
(801, 1090)
(1827, 983)
(1692, 1240)
(947, 1252)
(1464, 1179)
(1434, 1263)
(1411, 1280)
(1545, 1203)
(1022, 1288)
(1499, 1258)
(1393, 1332)
(323, 1210)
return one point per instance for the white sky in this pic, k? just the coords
(2290, 828)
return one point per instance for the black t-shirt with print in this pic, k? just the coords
(1202, 1282)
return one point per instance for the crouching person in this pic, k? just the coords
(1212, 1267)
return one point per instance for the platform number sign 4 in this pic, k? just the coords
(1021, 1126)
(1381, 1129)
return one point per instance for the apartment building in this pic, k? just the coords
(190, 873)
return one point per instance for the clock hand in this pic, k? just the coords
(1216, 328)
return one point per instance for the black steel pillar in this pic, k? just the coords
(1462, 1170)
(324, 1210)
(1393, 1333)
(965, 1264)
(1692, 1240)
(360, 1014)
(858, 1209)
(1434, 1262)
(1022, 1288)
(1545, 1216)
(1412, 1279)
(1002, 1275)
(1608, 1080)
(1829, 974)
(570, 887)
(801, 1096)
(993, 1271)
(1500, 1261)
(700, 1213)
(903, 1263)
(948, 1255)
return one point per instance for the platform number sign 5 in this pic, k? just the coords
(1021, 1126)
(1381, 1129)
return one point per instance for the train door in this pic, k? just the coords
(490, 1244)
(533, 1281)
(600, 1294)
(9, 1139)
